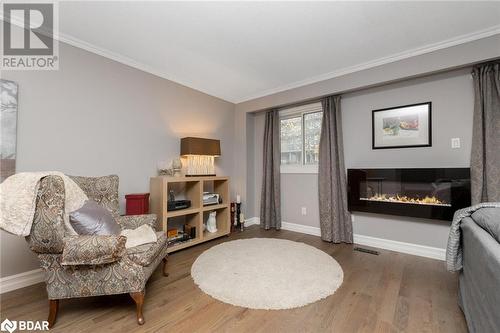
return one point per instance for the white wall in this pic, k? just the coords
(95, 117)
(452, 106)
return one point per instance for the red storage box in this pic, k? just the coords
(137, 203)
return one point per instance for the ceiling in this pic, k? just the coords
(242, 50)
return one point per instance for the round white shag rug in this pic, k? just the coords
(266, 273)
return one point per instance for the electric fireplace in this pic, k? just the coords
(428, 193)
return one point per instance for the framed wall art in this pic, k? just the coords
(402, 126)
(8, 128)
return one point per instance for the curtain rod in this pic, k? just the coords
(348, 91)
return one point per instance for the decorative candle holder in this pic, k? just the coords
(238, 215)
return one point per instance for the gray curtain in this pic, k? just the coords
(270, 200)
(335, 219)
(485, 155)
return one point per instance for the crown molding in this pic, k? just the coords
(103, 52)
(70, 40)
(73, 41)
(463, 39)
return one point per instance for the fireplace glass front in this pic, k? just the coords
(429, 193)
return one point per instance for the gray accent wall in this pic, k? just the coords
(452, 100)
(95, 116)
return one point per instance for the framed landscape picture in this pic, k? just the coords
(8, 128)
(402, 126)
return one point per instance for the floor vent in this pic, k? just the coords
(360, 249)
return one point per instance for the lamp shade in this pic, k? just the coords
(200, 146)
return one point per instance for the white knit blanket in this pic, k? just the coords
(18, 201)
(139, 236)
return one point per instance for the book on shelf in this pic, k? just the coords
(180, 238)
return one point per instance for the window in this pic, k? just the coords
(300, 129)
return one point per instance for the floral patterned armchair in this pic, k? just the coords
(81, 266)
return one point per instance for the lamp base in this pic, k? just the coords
(209, 175)
(200, 165)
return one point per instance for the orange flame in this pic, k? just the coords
(405, 199)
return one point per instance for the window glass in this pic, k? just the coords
(312, 131)
(300, 131)
(291, 140)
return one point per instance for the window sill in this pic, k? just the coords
(299, 169)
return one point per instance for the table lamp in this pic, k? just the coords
(200, 154)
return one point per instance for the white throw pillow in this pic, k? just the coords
(139, 236)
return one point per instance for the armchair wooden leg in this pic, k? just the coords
(139, 302)
(53, 308)
(165, 261)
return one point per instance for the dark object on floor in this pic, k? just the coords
(238, 215)
(360, 249)
(233, 216)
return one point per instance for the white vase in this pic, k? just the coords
(212, 222)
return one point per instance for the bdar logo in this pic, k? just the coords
(8, 325)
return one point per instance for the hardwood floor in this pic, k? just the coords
(391, 292)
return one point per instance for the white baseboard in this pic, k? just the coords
(252, 221)
(408, 248)
(381, 243)
(305, 229)
(21, 280)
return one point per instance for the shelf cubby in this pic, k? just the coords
(219, 186)
(222, 219)
(190, 188)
